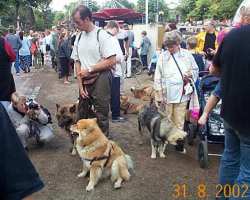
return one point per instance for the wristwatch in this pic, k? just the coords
(89, 70)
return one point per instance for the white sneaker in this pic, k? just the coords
(18, 74)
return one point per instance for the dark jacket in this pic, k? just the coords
(233, 60)
(64, 49)
(14, 41)
(7, 84)
(18, 177)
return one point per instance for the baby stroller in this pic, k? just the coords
(213, 131)
(136, 64)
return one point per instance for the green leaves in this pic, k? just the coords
(201, 9)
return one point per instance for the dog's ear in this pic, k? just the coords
(57, 107)
(72, 109)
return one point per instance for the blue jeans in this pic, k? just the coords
(17, 64)
(235, 163)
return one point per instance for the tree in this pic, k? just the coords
(200, 9)
(120, 3)
(153, 8)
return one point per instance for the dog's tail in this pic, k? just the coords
(130, 162)
(120, 168)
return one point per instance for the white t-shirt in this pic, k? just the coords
(89, 51)
(119, 57)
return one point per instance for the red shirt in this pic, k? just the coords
(10, 52)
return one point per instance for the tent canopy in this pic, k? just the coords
(117, 14)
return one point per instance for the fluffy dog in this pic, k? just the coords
(99, 153)
(162, 131)
(128, 107)
(66, 116)
(146, 93)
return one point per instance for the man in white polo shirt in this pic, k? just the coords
(94, 56)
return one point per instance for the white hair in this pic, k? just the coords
(172, 38)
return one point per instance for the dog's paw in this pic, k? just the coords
(82, 174)
(162, 155)
(153, 156)
(117, 185)
(184, 151)
(89, 187)
(73, 152)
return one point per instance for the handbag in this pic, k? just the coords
(93, 76)
(188, 87)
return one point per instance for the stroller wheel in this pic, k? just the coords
(136, 67)
(203, 154)
(190, 133)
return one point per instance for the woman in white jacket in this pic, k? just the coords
(175, 67)
(22, 116)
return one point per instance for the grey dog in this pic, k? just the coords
(162, 130)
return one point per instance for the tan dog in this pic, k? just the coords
(128, 107)
(146, 93)
(66, 116)
(99, 153)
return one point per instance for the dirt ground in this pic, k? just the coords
(152, 179)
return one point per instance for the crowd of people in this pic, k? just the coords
(101, 59)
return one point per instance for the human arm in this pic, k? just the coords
(158, 80)
(211, 103)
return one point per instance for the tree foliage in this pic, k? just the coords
(201, 9)
(31, 13)
(153, 8)
(120, 3)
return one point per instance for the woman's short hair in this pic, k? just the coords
(192, 42)
(112, 24)
(172, 38)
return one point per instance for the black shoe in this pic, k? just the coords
(118, 119)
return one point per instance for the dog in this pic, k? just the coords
(128, 107)
(146, 93)
(66, 116)
(162, 131)
(99, 154)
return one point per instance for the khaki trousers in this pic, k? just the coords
(176, 112)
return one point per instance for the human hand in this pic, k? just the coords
(83, 92)
(32, 114)
(203, 119)
(83, 73)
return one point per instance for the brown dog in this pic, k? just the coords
(99, 153)
(66, 116)
(128, 107)
(146, 93)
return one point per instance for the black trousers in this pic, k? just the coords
(97, 104)
(144, 60)
(115, 97)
